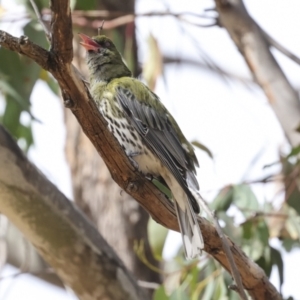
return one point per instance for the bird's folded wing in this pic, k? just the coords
(159, 135)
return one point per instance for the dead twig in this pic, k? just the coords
(37, 12)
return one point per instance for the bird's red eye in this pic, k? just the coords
(107, 44)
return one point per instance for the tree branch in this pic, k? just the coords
(248, 82)
(281, 48)
(39, 17)
(61, 30)
(77, 97)
(255, 48)
(24, 46)
(59, 231)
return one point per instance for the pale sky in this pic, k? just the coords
(235, 124)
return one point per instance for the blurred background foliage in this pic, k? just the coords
(261, 221)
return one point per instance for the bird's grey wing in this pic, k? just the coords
(159, 135)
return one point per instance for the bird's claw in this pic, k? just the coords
(131, 155)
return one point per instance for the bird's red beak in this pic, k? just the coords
(88, 43)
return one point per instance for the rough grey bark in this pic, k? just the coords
(254, 45)
(22, 255)
(60, 232)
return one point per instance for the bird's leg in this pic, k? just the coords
(131, 155)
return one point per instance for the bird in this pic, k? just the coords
(147, 132)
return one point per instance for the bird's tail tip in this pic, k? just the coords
(191, 234)
(193, 244)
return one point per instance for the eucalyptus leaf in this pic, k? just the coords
(162, 188)
(160, 294)
(223, 200)
(209, 291)
(203, 148)
(245, 200)
(277, 260)
(290, 244)
(179, 294)
(35, 32)
(86, 5)
(294, 152)
(51, 82)
(157, 235)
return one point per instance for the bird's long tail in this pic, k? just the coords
(190, 230)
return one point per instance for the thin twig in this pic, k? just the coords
(114, 14)
(234, 270)
(36, 10)
(119, 18)
(248, 82)
(148, 285)
(123, 20)
(281, 48)
(257, 214)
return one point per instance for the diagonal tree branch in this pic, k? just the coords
(61, 30)
(77, 98)
(59, 231)
(281, 48)
(255, 48)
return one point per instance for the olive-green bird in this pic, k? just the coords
(147, 132)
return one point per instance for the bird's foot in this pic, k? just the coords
(149, 177)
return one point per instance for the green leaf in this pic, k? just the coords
(223, 200)
(7, 89)
(73, 4)
(86, 5)
(179, 294)
(35, 32)
(256, 239)
(173, 268)
(51, 82)
(162, 188)
(160, 294)
(290, 244)
(262, 232)
(247, 230)
(265, 265)
(194, 278)
(245, 200)
(11, 116)
(293, 199)
(277, 260)
(209, 291)
(21, 74)
(294, 152)
(255, 249)
(157, 235)
(230, 229)
(203, 148)
(293, 224)
(220, 291)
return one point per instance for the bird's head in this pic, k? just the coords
(103, 58)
